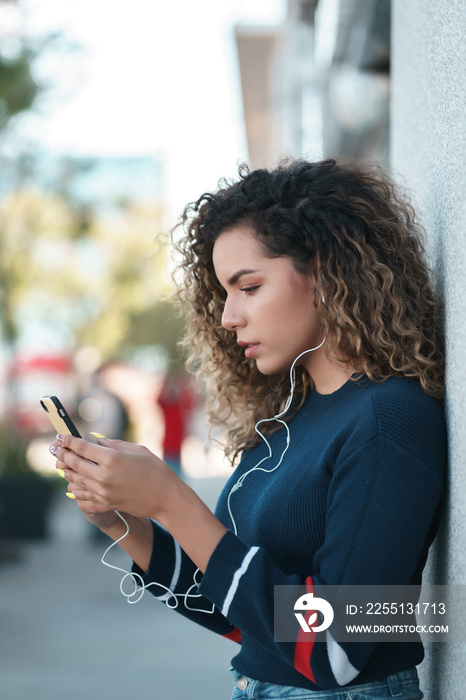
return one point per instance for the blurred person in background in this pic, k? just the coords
(314, 320)
(101, 409)
(176, 401)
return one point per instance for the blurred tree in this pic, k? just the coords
(130, 280)
(91, 284)
(159, 325)
(28, 222)
(36, 255)
(18, 89)
(18, 93)
(87, 276)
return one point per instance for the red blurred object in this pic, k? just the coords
(42, 363)
(177, 399)
(33, 376)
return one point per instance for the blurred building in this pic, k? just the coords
(428, 149)
(259, 51)
(319, 84)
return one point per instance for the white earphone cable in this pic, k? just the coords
(139, 586)
(277, 418)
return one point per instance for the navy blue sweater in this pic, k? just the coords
(354, 502)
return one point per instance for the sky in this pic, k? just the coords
(151, 77)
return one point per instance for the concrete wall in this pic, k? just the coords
(428, 147)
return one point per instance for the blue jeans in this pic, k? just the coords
(403, 686)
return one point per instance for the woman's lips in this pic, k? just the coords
(250, 350)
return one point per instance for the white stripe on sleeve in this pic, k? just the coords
(341, 666)
(236, 578)
(176, 573)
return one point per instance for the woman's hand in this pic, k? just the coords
(105, 521)
(114, 475)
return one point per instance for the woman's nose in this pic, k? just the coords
(231, 316)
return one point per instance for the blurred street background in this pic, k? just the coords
(113, 116)
(67, 632)
(111, 120)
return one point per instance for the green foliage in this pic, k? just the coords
(104, 285)
(158, 325)
(18, 89)
(36, 257)
(92, 278)
(129, 276)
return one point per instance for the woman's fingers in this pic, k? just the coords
(115, 474)
(70, 461)
(108, 476)
(87, 503)
(77, 446)
(60, 467)
(80, 455)
(93, 452)
(121, 446)
(83, 491)
(79, 472)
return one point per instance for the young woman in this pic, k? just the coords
(312, 315)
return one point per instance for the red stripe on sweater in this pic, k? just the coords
(235, 635)
(305, 645)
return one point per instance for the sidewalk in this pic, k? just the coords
(66, 631)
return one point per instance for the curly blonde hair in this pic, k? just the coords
(351, 227)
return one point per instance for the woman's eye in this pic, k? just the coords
(249, 290)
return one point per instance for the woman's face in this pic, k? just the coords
(269, 304)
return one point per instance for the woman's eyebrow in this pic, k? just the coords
(234, 278)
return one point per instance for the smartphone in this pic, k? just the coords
(58, 416)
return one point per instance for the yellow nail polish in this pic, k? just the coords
(98, 435)
(70, 495)
(61, 472)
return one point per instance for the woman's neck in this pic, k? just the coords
(327, 375)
